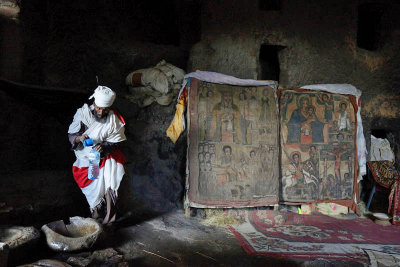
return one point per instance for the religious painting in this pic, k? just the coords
(318, 155)
(233, 145)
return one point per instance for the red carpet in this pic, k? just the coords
(291, 235)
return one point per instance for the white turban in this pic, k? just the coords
(103, 96)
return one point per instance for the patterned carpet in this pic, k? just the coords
(290, 235)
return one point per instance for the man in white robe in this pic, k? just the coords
(105, 126)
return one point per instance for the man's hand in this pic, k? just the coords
(81, 138)
(99, 148)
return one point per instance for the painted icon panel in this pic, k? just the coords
(318, 145)
(233, 145)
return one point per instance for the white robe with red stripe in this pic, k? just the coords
(111, 167)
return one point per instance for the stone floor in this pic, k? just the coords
(172, 239)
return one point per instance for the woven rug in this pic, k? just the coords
(386, 175)
(384, 172)
(291, 235)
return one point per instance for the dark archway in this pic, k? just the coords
(269, 62)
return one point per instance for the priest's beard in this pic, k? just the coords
(98, 118)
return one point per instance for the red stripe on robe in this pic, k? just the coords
(119, 116)
(81, 174)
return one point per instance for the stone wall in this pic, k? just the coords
(66, 44)
(319, 45)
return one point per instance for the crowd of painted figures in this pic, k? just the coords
(238, 144)
(317, 139)
(238, 149)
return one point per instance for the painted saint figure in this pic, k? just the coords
(205, 107)
(326, 101)
(202, 113)
(317, 127)
(285, 100)
(265, 112)
(228, 164)
(337, 154)
(253, 116)
(350, 165)
(253, 165)
(209, 116)
(225, 113)
(296, 167)
(343, 118)
(244, 117)
(298, 116)
(306, 129)
(314, 159)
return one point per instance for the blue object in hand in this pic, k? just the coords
(94, 164)
(87, 142)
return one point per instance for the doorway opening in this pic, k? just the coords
(269, 62)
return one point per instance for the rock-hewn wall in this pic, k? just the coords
(68, 43)
(320, 40)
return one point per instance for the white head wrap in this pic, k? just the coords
(103, 96)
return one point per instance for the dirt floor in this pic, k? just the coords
(169, 240)
(178, 240)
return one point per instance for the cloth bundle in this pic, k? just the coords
(160, 83)
(380, 149)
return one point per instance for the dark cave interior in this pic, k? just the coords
(54, 53)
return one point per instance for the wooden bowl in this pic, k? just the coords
(381, 216)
